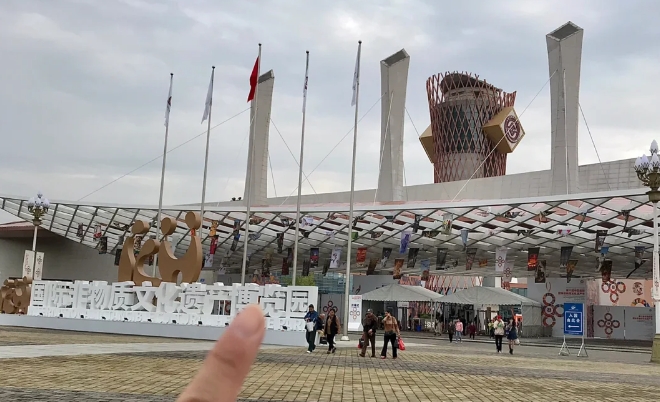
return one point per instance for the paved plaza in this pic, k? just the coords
(43, 365)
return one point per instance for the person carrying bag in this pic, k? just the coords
(369, 326)
(391, 335)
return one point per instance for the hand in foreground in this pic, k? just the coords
(227, 365)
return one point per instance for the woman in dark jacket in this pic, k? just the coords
(512, 335)
(332, 328)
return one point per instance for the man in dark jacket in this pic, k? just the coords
(369, 326)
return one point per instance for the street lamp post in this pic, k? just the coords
(648, 172)
(38, 207)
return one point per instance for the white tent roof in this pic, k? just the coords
(402, 293)
(481, 295)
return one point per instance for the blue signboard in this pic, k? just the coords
(574, 319)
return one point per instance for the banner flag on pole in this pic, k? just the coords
(305, 86)
(500, 259)
(209, 99)
(169, 103)
(356, 78)
(254, 79)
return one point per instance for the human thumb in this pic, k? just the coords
(227, 365)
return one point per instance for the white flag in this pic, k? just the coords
(169, 104)
(209, 99)
(356, 78)
(305, 87)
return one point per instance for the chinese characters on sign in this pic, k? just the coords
(185, 304)
(574, 319)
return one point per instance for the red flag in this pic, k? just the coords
(254, 77)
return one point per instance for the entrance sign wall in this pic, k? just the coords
(187, 304)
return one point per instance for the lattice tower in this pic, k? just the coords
(460, 104)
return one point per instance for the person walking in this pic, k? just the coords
(451, 330)
(312, 324)
(498, 330)
(332, 328)
(459, 331)
(472, 330)
(512, 336)
(391, 328)
(369, 326)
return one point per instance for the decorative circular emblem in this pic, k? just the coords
(512, 129)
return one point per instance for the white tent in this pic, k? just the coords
(402, 293)
(480, 295)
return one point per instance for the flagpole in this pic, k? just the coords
(207, 115)
(356, 96)
(162, 174)
(300, 173)
(248, 181)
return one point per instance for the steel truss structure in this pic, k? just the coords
(516, 224)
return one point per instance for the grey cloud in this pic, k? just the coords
(84, 85)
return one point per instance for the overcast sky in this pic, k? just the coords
(84, 86)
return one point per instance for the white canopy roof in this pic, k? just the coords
(481, 295)
(401, 293)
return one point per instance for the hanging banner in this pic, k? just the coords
(507, 274)
(464, 236)
(265, 267)
(600, 240)
(415, 226)
(314, 257)
(570, 268)
(361, 257)
(372, 266)
(214, 229)
(440, 258)
(98, 231)
(483, 262)
(335, 258)
(412, 257)
(500, 259)
(81, 231)
(564, 256)
(385, 257)
(305, 269)
(405, 240)
(214, 245)
(426, 265)
(532, 258)
(285, 266)
(606, 271)
(235, 240)
(639, 256)
(470, 255)
(103, 245)
(539, 276)
(354, 236)
(280, 242)
(137, 244)
(289, 256)
(326, 266)
(208, 261)
(398, 265)
(38, 266)
(447, 223)
(118, 251)
(28, 264)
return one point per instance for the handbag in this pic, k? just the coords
(323, 340)
(309, 326)
(517, 341)
(401, 345)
